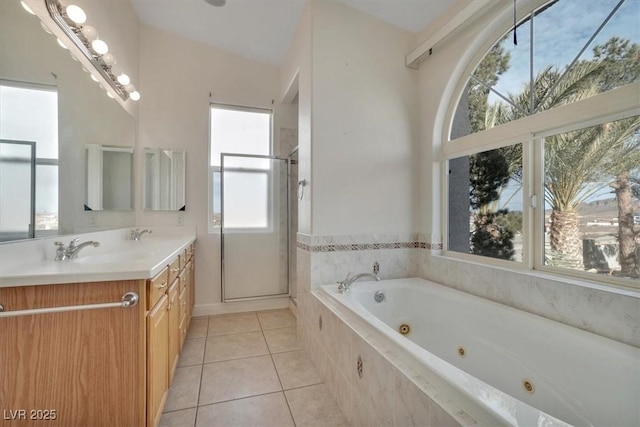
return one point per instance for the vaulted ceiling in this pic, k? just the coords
(262, 29)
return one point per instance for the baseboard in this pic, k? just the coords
(240, 306)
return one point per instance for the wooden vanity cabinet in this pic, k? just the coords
(174, 325)
(168, 320)
(73, 368)
(100, 367)
(157, 360)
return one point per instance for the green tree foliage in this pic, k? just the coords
(489, 171)
(492, 66)
(621, 65)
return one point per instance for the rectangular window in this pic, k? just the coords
(584, 221)
(243, 131)
(485, 204)
(592, 194)
(30, 113)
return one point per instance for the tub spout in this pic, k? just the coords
(345, 284)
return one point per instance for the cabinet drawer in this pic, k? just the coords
(174, 269)
(157, 287)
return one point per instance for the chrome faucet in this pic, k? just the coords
(137, 233)
(69, 252)
(344, 285)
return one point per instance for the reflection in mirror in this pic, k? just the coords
(29, 112)
(47, 98)
(164, 179)
(109, 178)
(17, 178)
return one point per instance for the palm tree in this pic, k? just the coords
(624, 135)
(570, 158)
(572, 175)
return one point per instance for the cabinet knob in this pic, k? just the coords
(162, 285)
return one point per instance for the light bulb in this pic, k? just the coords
(109, 59)
(94, 78)
(76, 14)
(130, 88)
(99, 47)
(89, 32)
(123, 79)
(110, 95)
(27, 8)
(61, 44)
(135, 96)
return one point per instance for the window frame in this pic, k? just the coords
(615, 104)
(212, 170)
(41, 161)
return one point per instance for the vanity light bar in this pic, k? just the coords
(98, 55)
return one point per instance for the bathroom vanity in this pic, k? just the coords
(93, 340)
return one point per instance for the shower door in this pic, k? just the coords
(17, 180)
(255, 226)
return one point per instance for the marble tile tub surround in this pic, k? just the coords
(332, 257)
(605, 311)
(613, 313)
(386, 391)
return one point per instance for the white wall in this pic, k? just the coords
(297, 62)
(364, 130)
(177, 76)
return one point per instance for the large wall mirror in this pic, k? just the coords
(46, 98)
(164, 179)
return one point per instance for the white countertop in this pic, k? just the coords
(32, 262)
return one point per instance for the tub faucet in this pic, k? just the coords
(137, 233)
(344, 285)
(68, 252)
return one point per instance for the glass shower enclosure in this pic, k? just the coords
(254, 203)
(17, 179)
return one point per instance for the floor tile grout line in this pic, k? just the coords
(238, 398)
(244, 397)
(239, 358)
(234, 333)
(281, 386)
(195, 420)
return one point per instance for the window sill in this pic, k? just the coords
(615, 289)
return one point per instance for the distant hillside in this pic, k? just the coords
(606, 208)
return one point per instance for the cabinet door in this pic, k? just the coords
(157, 360)
(73, 368)
(184, 320)
(192, 284)
(174, 329)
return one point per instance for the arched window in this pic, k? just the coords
(543, 133)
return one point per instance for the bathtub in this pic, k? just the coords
(502, 365)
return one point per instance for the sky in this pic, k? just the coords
(561, 31)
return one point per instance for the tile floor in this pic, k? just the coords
(247, 370)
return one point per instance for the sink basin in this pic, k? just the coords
(113, 258)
